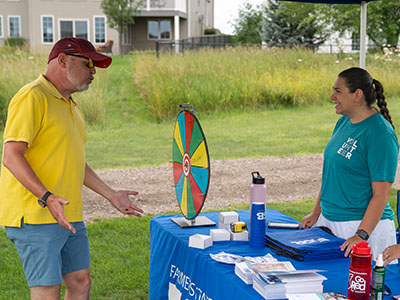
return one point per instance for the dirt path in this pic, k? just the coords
(287, 179)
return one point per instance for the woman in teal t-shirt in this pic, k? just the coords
(360, 163)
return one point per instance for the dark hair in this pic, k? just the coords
(357, 78)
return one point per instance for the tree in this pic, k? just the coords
(292, 24)
(383, 20)
(247, 26)
(120, 14)
(276, 23)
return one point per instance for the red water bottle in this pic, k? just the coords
(360, 272)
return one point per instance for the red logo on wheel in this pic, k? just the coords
(186, 164)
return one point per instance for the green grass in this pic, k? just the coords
(120, 255)
(247, 77)
(122, 129)
(119, 261)
(131, 126)
(245, 133)
(248, 133)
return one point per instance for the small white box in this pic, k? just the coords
(240, 236)
(220, 235)
(228, 217)
(224, 226)
(200, 241)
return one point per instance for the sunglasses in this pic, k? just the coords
(90, 64)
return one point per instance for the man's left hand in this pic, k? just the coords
(121, 201)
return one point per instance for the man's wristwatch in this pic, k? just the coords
(42, 201)
(362, 234)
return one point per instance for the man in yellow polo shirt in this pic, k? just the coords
(44, 169)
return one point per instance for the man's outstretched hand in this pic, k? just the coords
(121, 201)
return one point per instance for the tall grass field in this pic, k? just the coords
(251, 102)
(246, 77)
(210, 80)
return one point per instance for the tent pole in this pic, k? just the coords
(363, 33)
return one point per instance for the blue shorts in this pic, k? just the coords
(47, 251)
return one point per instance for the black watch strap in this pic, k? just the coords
(362, 234)
(42, 201)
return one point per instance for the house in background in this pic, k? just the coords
(43, 22)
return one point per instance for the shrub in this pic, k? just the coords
(15, 42)
(211, 31)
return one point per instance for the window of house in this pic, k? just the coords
(160, 29)
(1, 27)
(165, 29)
(14, 26)
(47, 29)
(81, 29)
(74, 28)
(152, 30)
(66, 29)
(99, 30)
(126, 36)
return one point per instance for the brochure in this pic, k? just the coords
(317, 296)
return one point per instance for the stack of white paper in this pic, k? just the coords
(272, 266)
(303, 282)
(275, 285)
(271, 289)
(251, 266)
(317, 296)
(244, 272)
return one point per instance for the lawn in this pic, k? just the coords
(120, 255)
(123, 133)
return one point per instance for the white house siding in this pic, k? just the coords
(31, 12)
(14, 8)
(65, 10)
(336, 44)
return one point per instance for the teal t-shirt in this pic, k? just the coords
(357, 155)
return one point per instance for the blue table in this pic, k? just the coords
(176, 268)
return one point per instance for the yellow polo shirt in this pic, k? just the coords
(55, 131)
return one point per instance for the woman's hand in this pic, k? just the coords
(349, 243)
(309, 220)
(391, 253)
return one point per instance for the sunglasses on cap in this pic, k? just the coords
(90, 64)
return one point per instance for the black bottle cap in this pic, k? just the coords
(257, 179)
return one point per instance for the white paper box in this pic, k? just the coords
(240, 236)
(220, 235)
(228, 217)
(200, 241)
(224, 226)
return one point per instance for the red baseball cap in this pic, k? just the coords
(82, 47)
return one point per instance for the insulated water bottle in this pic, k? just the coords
(360, 272)
(378, 279)
(257, 225)
(258, 190)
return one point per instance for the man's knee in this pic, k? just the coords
(77, 281)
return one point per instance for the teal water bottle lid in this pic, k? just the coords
(257, 179)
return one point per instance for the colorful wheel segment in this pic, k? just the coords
(191, 164)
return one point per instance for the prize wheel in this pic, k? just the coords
(191, 164)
